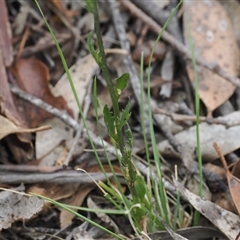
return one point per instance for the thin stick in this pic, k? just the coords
(192, 118)
(221, 156)
(64, 176)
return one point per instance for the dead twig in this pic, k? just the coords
(29, 168)
(181, 118)
(64, 176)
(45, 45)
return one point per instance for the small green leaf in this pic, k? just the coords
(90, 43)
(109, 121)
(129, 137)
(139, 185)
(121, 83)
(125, 116)
(91, 5)
(95, 53)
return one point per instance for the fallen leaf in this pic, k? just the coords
(54, 191)
(214, 41)
(227, 138)
(32, 76)
(7, 105)
(20, 144)
(233, 9)
(233, 182)
(224, 220)
(81, 72)
(15, 207)
(7, 127)
(225, 201)
(47, 144)
(75, 200)
(236, 169)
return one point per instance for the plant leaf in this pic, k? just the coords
(121, 83)
(125, 116)
(109, 121)
(139, 186)
(129, 136)
(91, 5)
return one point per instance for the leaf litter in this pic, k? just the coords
(36, 69)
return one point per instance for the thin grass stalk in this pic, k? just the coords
(95, 104)
(156, 153)
(69, 209)
(197, 109)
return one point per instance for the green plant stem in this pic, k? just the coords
(162, 203)
(100, 58)
(103, 66)
(70, 209)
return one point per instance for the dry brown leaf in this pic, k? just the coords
(32, 76)
(214, 41)
(81, 73)
(233, 182)
(15, 206)
(54, 191)
(215, 169)
(7, 105)
(236, 169)
(7, 127)
(225, 201)
(233, 9)
(20, 144)
(75, 200)
(224, 220)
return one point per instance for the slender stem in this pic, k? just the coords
(107, 77)
(127, 166)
